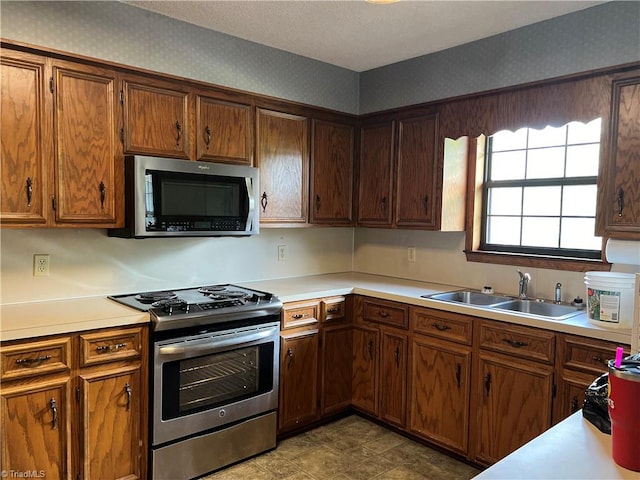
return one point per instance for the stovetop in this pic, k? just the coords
(172, 309)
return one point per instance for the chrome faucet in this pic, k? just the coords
(523, 285)
(558, 296)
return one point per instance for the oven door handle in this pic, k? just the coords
(216, 345)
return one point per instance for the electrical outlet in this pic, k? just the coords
(282, 253)
(41, 265)
(411, 254)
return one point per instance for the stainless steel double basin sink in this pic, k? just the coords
(538, 308)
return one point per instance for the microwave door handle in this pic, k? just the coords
(216, 345)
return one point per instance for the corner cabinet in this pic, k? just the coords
(75, 406)
(61, 161)
(282, 154)
(156, 118)
(619, 191)
(332, 177)
(402, 181)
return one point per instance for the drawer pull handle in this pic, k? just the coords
(264, 200)
(574, 404)
(458, 374)
(179, 133)
(110, 348)
(397, 356)
(487, 383)
(370, 349)
(383, 314)
(127, 390)
(207, 140)
(30, 361)
(598, 359)
(290, 353)
(29, 187)
(333, 310)
(515, 343)
(298, 316)
(441, 328)
(54, 413)
(103, 194)
(620, 202)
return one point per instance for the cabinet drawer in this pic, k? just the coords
(588, 355)
(299, 314)
(110, 346)
(36, 358)
(442, 325)
(520, 341)
(333, 309)
(389, 313)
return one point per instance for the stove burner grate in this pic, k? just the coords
(212, 289)
(152, 297)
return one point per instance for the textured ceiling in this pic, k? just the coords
(358, 35)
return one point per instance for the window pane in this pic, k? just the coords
(547, 137)
(507, 140)
(584, 132)
(541, 201)
(503, 230)
(505, 201)
(546, 163)
(540, 232)
(579, 200)
(578, 233)
(507, 165)
(582, 160)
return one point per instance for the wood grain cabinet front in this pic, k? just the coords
(66, 418)
(618, 214)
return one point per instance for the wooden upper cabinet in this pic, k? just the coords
(25, 137)
(156, 118)
(331, 173)
(88, 157)
(224, 130)
(416, 179)
(375, 190)
(283, 159)
(619, 189)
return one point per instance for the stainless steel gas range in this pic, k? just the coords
(214, 385)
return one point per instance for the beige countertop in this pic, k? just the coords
(34, 319)
(573, 449)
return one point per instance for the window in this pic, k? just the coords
(539, 191)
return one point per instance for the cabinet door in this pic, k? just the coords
(393, 376)
(570, 395)
(224, 131)
(298, 379)
(156, 119)
(25, 137)
(364, 383)
(440, 394)
(335, 360)
(416, 181)
(88, 159)
(282, 155)
(620, 202)
(331, 173)
(514, 404)
(36, 428)
(112, 438)
(376, 168)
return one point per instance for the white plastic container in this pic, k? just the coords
(610, 298)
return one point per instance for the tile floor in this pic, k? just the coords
(349, 449)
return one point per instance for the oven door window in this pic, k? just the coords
(209, 381)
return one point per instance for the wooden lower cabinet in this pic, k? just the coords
(336, 343)
(298, 379)
(36, 424)
(68, 421)
(393, 376)
(439, 394)
(364, 383)
(513, 404)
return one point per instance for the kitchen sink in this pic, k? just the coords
(542, 309)
(538, 308)
(469, 297)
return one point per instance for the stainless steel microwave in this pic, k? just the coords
(179, 198)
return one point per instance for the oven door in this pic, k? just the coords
(205, 381)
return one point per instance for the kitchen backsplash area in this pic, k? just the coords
(440, 258)
(88, 262)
